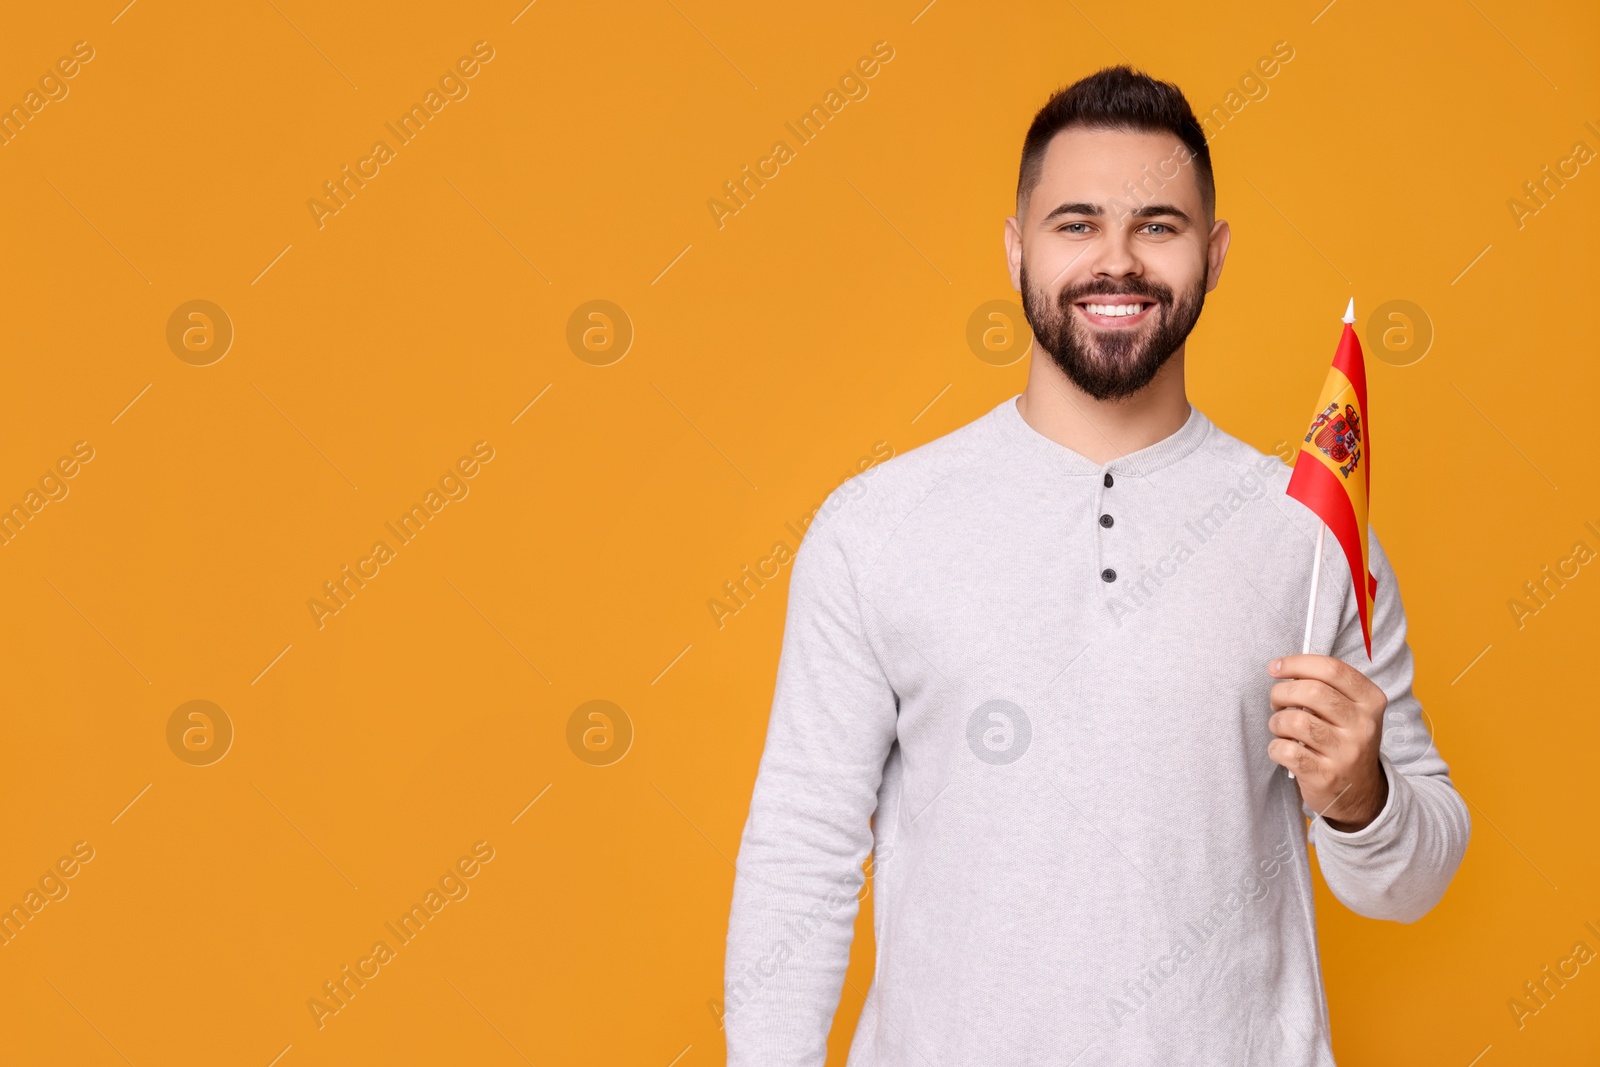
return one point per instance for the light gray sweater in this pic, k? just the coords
(1034, 689)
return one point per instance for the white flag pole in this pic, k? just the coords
(1322, 529)
(1316, 572)
(1311, 606)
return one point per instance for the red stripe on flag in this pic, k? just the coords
(1315, 486)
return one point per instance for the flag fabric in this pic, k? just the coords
(1333, 471)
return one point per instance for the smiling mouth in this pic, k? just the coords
(1119, 314)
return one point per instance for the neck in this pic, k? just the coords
(1103, 430)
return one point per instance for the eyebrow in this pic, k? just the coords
(1095, 210)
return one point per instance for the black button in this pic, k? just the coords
(1109, 575)
(1106, 520)
(1108, 479)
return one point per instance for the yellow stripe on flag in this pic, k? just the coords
(1339, 401)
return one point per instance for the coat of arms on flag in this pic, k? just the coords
(1338, 434)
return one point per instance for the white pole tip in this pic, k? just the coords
(1350, 312)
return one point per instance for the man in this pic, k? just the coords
(1045, 670)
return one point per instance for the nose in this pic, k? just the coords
(1114, 259)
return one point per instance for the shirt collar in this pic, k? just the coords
(1151, 458)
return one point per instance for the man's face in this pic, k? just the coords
(1115, 224)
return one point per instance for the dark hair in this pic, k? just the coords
(1117, 98)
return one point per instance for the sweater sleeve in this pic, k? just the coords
(1399, 865)
(807, 834)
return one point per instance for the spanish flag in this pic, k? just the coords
(1333, 472)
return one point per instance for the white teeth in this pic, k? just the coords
(1114, 310)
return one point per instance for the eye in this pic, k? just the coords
(1068, 227)
(1163, 226)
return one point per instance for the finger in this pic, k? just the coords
(1301, 761)
(1336, 673)
(1307, 693)
(1327, 704)
(1298, 724)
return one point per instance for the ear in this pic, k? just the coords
(1013, 241)
(1216, 252)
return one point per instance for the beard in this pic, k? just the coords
(1111, 363)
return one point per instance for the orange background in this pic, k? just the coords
(768, 356)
